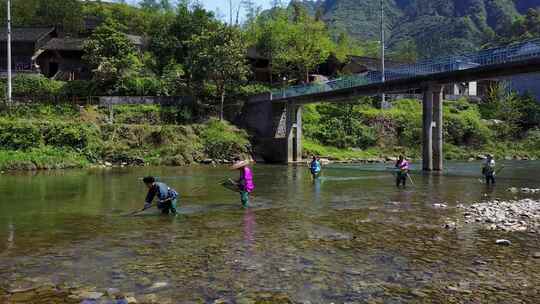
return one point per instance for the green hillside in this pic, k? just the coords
(436, 27)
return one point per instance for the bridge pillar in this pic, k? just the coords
(294, 133)
(427, 130)
(432, 131)
(438, 128)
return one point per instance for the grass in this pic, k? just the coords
(313, 148)
(40, 159)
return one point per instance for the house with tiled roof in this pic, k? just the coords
(24, 43)
(61, 58)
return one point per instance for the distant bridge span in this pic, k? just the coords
(276, 117)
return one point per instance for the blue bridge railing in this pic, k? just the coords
(511, 53)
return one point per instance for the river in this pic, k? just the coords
(349, 237)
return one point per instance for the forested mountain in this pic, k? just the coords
(436, 27)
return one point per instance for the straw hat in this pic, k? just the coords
(240, 164)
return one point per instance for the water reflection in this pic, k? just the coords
(249, 231)
(11, 236)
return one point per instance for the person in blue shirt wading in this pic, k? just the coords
(167, 197)
(315, 167)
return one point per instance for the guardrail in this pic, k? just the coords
(515, 52)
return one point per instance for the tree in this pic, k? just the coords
(293, 47)
(170, 36)
(111, 55)
(251, 10)
(307, 44)
(64, 13)
(405, 51)
(219, 57)
(152, 5)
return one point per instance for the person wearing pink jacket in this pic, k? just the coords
(245, 182)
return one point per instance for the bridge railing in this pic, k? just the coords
(514, 52)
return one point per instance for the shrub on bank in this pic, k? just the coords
(221, 140)
(19, 135)
(41, 158)
(36, 85)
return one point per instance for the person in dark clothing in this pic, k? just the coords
(402, 167)
(488, 170)
(167, 197)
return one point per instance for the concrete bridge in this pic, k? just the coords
(275, 118)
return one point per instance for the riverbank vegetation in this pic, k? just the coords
(505, 124)
(49, 137)
(190, 52)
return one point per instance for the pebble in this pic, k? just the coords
(512, 215)
(158, 285)
(536, 255)
(131, 300)
(90, 295)
(440, 205)
(479, 262)
(523, 190)
(450, 225)
(503, 242)
(113, 292)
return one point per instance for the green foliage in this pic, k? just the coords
(135, 85)
(67, 14)
(517, 114)
(19, 135)
(463, 125)
(69, 135)
(148, 133)
(111, 55)
(34, 86)
(153, 114)
(173, 81)
(79, 88)
(294, 42)
(221, 140)
(362, 126)
(533, 140)
(41, 158)
(437, 27)
(219, 57)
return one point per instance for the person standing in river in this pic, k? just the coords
(488, 170)
(315, 167)
(167, 197)
(402, 166)
(245, 182)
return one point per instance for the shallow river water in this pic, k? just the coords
(349, 237)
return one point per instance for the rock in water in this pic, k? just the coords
(503, 242)
(158, 285)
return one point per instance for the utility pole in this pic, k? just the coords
(383, 78)
(9, 88)
(230, 13)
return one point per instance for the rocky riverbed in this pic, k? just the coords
(509, 215)
(45, 292)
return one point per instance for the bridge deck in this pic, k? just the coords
(515, 59)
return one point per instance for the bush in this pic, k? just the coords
(465, 128)
(41, 158)
(17, 135)
(69, 135)
(34, 86)
(533, 140)
(221, 140)
(79, 88)
(138, 86)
